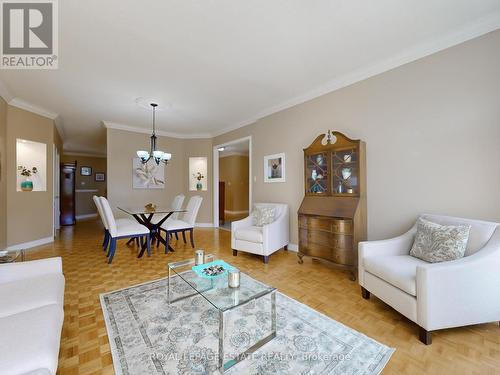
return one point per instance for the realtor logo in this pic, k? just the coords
(29, 34)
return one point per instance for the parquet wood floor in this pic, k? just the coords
(84, 344)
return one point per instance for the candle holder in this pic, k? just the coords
(199, 257)
(233, 278)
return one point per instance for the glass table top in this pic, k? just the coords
(216, 290)
(9, 256)
(137, 210)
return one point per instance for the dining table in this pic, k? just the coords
(145, 215)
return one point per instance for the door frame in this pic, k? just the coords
(216, 175)
(56, 190)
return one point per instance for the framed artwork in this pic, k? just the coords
(147, 176)
(86, 171)
(100, 177)
(274, 168)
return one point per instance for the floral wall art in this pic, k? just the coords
(148, 176)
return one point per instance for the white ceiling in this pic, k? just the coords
(222, 64)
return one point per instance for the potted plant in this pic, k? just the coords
(27, 183)
(198, 176)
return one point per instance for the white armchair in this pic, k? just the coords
(263, 240)
(436, 295)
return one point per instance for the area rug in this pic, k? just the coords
(149, 336)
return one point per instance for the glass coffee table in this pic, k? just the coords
(11, 256)
(225, 299)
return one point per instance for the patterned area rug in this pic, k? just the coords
(149, 336)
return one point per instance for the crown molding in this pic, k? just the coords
(474, 30)
(84, 154)
(128, 128)
(23, 104)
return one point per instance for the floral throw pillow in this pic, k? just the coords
(262, 215)
(439, 243)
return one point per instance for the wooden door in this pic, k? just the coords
(222, 200)
(67, 193)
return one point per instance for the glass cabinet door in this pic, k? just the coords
(317, 174)
(345, 171)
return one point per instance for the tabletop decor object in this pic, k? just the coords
(213, 269)
(150, 207)
(233, 278)
(199, 257)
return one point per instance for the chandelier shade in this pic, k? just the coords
(157, 155)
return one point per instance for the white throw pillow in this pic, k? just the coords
(439, 243)
(262, 215)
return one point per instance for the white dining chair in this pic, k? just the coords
(176, 205)
(185, 223)
(123, 229)
(100, 212)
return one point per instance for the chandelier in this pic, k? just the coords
(157, 155)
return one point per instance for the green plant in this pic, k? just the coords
(27, 172)
(198, 176)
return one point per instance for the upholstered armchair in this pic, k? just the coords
(264, 240)
(436, 295)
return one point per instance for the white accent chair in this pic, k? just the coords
(123, 229)
(436, 295)
(184, 224)
(265, 240)
(31, 316)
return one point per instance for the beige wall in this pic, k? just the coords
(233, 170)
(84, 202)
(3, 177)
(30, 214)
(432, 130)
(121, 149)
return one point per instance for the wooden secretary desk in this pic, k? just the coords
(332, 216)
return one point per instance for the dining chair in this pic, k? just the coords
(185, 223)
(176, 205)
(119, 229)
(100, 211)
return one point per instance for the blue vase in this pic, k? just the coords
(199, 186)
(27, 185)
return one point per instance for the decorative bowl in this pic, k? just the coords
(212, 270)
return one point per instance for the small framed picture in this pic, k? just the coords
(86, 171)
(100, 177)
(274, 168)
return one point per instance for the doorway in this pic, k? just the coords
(232, 181)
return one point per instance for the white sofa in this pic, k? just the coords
(263, 240)
(31, 316)
(436, 295)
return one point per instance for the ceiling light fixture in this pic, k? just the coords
(220, 149)
(156, 155)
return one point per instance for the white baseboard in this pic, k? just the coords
(293, 247)
(30, 244)
(87, 216)
(204, 225)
